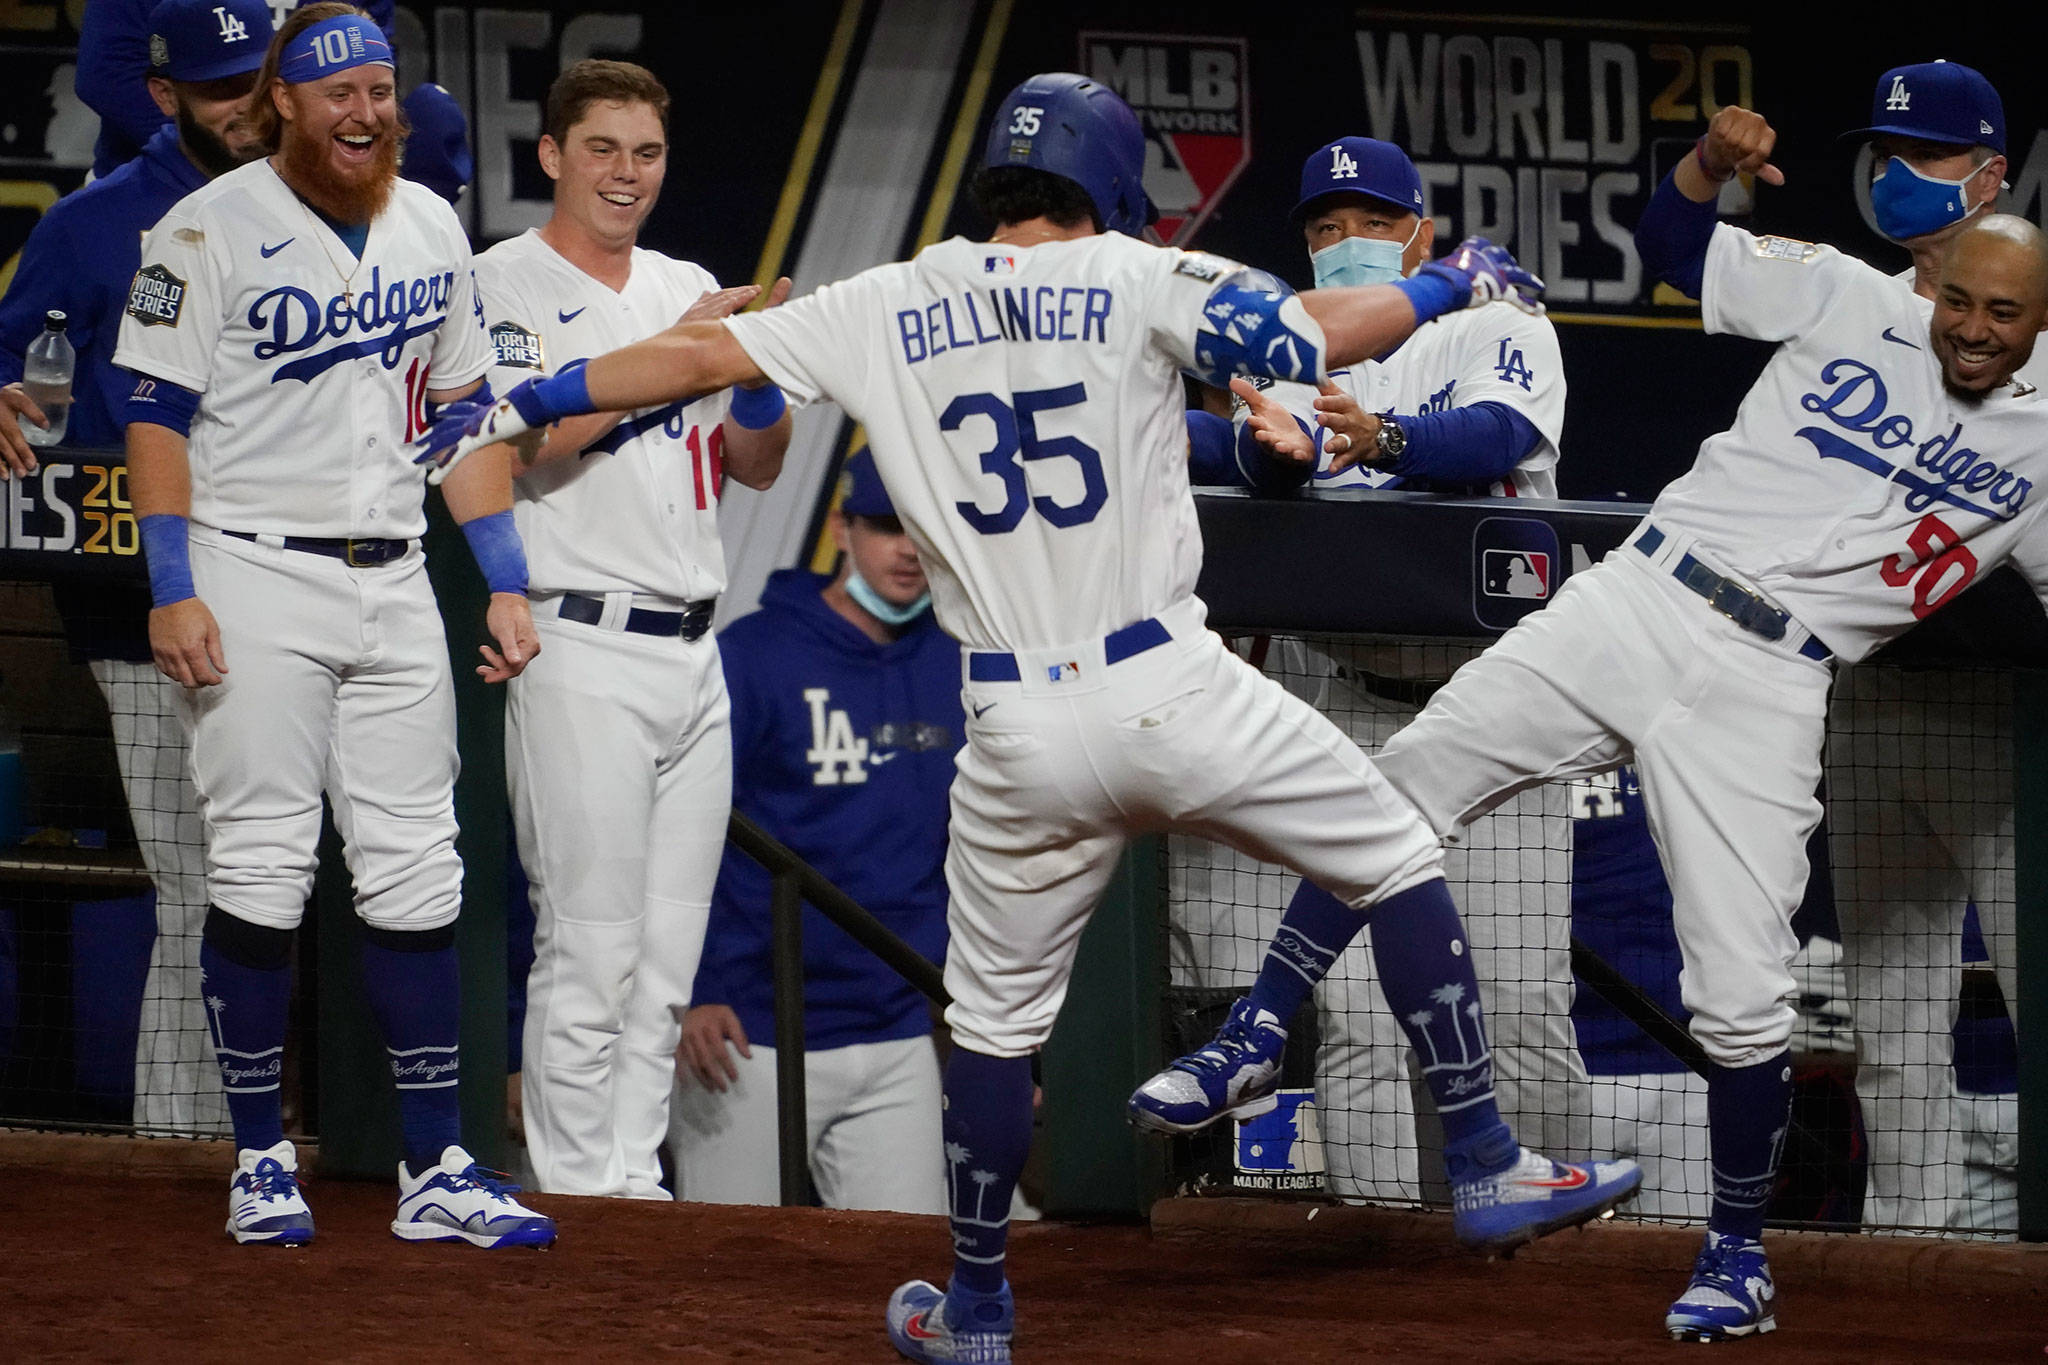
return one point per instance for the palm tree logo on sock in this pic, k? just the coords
(215, 1007)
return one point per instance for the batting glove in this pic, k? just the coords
(469, 424)
(1481, 273)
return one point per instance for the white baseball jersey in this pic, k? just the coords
(1853, 488)
(313, 366)
(1495, 354)
(1051, 503)
(638, 510)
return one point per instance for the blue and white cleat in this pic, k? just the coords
(264, 1203)
(1731, 1294)
(1535, 1197)
(959, 1327)
(459, 1201)
(1233, 1077)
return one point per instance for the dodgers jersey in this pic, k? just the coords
(1494, 354)
(312, 367)
(1025, 410)
(1853, 488)
(637, 510)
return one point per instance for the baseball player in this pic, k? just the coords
(1886, 456)
(845, 719)
(617, 749)
(114, 57)
(1473, 402)
(79, 259)
(1025, 407)
(288, 323)
(1919, 832)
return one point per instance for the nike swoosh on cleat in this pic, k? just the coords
(269, 251)
(1887, 335)
(570, 317)
(1572, 1179)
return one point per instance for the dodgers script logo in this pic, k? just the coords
(1954, 473)
(297, 322)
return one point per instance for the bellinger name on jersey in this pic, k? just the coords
(1022, 313)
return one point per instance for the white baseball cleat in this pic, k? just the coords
(264, 1203)
(459, 1201)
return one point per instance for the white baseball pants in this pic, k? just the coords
(1061, 766)
(873, 1114)
(1725, 729)
(618, 752)
(337, 681)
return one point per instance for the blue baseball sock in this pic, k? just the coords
(987, 1129)
(413, 983)
(1425, 969)
(245, 981)
(1748, 1110)
(1316, 927)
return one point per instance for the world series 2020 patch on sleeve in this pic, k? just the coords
(156, 298)
(1786, 249)
(517, 347)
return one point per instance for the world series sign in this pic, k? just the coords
(1194, 99)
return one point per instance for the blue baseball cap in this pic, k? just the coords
(860, 488)
(208, 40)
(1361, 165)
(437, 151)
(1938, 101)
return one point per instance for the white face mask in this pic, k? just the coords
(879, 607)
(1361, 260)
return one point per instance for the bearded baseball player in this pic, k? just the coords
(1912, 846)
(617, 746)
(1024, 401)
(1473, 402)
(288, 324)
(1886, 456)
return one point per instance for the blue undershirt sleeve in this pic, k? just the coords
(1475, 444)
(1672, 237)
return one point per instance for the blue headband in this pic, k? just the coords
(331, 46)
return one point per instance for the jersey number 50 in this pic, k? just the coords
(1016, 432)
(1941, 567)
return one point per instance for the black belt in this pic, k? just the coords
(1731, 599)
(359, 554)
(689, 623)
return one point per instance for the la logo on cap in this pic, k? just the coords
(1900, 97)
(232, 30)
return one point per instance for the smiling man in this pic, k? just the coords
(288, 324)
(618, 748)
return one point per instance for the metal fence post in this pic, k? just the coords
(792, 1123)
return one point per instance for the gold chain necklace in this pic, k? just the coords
(348, 295)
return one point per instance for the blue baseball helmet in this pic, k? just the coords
(1080, 130)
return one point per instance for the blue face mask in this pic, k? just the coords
(876, 606)
(1360, 260)
(1908, 204)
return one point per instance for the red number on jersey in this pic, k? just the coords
(416, 422)
(1941, 566)
(707, 467)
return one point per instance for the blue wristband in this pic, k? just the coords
(565, 393)
(756, 409)
(167, 545)
(1432, 294)
(495, 544)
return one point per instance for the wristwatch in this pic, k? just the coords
(1392, 440)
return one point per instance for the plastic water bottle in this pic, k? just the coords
(46, 379)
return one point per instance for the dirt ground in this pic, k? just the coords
(134, 1266)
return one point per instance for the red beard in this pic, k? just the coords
(354, 194)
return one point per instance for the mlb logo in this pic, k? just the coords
(1062, 672)
(1516, 573)
(1286, 1140)
(1516, 568)
(999, 265)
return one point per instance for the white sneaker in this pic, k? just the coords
(264, 1203)
(459, 1201)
